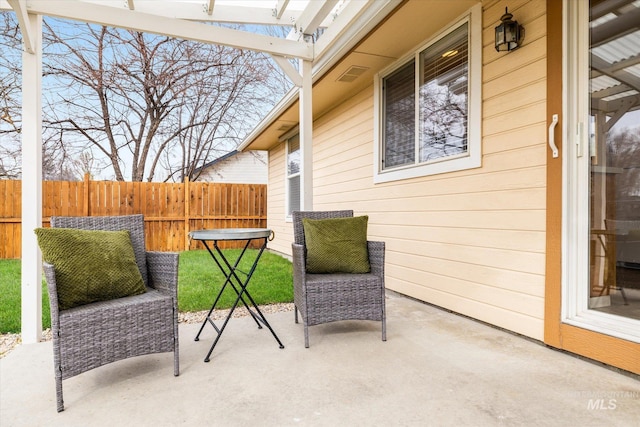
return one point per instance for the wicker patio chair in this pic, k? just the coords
(88, 336)
(323, 298)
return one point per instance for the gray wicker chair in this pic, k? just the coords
(323, 298)
(92, 335)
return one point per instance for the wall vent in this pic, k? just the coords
(352, 73)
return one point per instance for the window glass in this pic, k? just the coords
(425, 117)
(293, 174)
(399, 117)
(443, 97)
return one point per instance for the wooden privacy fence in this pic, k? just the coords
(170, 210)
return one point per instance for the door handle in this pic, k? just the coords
(552, 139)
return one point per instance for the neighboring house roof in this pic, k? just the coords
(215, 161)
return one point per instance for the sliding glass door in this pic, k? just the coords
(602, 154)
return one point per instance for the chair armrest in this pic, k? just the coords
(376, 257)
(163, 272)
(50, 276)
(52, 288)
(299, 263)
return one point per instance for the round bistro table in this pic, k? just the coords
(232, 274)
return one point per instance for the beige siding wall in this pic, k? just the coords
(276, 201)
(470, 241)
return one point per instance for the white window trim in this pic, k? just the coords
(575, 242)
(469, 160)
(287, 177)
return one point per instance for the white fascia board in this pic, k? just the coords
(178, 28)
(194, 11)
(283, 105)
(357, 19)
(19, 6)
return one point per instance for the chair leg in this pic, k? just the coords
(624, 296)
(176, 346)
(176, 361)
(60, 402)
(295, 311)
(306, 335)
(384, 329)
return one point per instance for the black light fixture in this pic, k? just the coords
(509, 34)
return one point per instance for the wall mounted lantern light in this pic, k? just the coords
(509, 34)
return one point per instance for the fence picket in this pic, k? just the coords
(170, 210)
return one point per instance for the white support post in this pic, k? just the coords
(32, 185)
(306, 135)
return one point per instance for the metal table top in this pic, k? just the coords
(230, 234)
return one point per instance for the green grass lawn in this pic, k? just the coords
(10, 296)
(199, 281)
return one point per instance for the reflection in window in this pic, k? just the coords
(442, 107)
(614, 157)
(443, 97)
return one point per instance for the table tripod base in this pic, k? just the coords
(240, 288)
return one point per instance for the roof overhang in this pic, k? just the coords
(382, 34)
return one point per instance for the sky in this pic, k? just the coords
(60, 25)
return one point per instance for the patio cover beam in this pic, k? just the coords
(20, 7)
(178, 28)
(289, 69)
(311, 18)
(194, 11)
(280, 8)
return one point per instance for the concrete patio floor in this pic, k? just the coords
(436, 369)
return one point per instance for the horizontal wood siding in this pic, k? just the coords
(471, 241)
(248, 167)
(277, 203)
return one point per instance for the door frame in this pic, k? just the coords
(604, 348)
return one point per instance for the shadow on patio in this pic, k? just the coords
(436, 368)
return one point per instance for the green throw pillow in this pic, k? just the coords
(90, 265)
(337, 245)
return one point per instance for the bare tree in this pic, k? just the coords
(54, 161)
(10, 87)
(148, 102)
(624, 153)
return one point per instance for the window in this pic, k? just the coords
(293, 174)
(428, 112)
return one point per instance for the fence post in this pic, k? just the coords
(86, 194)
(187, 212)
